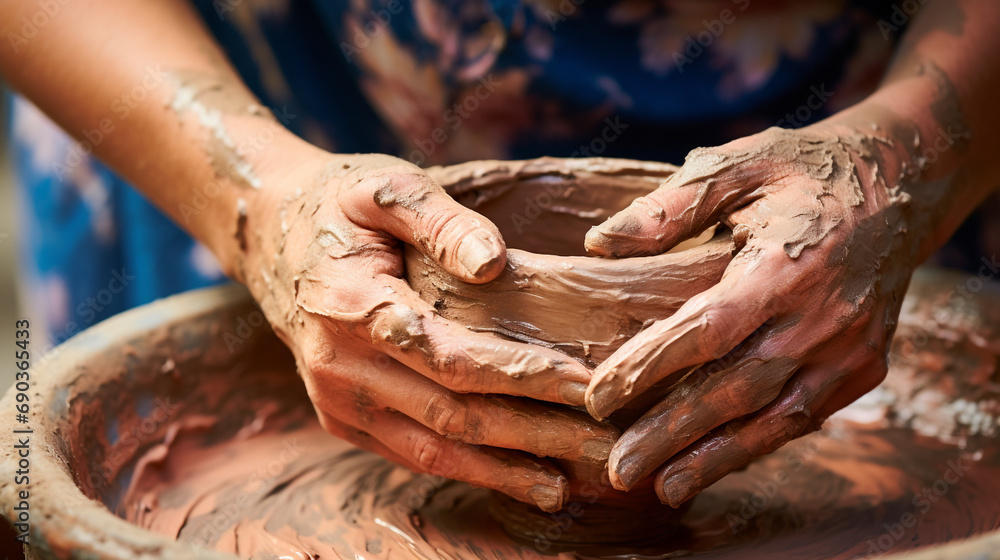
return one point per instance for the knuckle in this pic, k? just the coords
(450, 370)
(430, 455)
(873, 371)
(403, 189)
(740, 399)
(315, 361)
(400, 326)
(716, 333)
(732, 400)
(795, 420)
(448, 416)
(438, 222)
(328, 423)
(709, 153)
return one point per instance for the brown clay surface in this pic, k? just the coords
(833, 494)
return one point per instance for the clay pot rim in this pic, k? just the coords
(93, 528)
(469, 177)
(474, 176)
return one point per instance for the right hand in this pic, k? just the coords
(321, 253)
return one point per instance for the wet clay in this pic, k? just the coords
(549, 294)
(585, 307)
(284, 488)
(187, 416)
(868, 484)
(208, 98)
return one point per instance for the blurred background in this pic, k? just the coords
(8, 292)
(8, 245)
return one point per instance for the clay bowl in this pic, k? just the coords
(551, 294)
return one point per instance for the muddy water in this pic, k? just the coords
(283, 488)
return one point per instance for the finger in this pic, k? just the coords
(741, 383)
(658, 287)
(793, 414)
(513, 423)
(869, 372)
(711, 181)
(705, 328)
(701, 402)
(502, 422)
(407, 204)
(704, 401)
(515, 474)
(388, 315)
(466, 361)
(360, 438)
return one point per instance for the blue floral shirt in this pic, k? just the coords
(441, 81)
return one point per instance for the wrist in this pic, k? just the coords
(917, 154)
(243, 212)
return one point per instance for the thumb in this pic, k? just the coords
(411, 207)
(710, 182)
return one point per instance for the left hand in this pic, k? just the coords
(798, 327)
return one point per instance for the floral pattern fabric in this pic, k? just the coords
(442, 81)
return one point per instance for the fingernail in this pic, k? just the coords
(677, 489)
(595, 240)
(624, 471)
(596, 451)
(573, 392)
(548, 498)
(623, 223)
(600, 403)
(477, 253)
(621, 235)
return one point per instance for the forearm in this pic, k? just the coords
(146, 88)
(937, 107)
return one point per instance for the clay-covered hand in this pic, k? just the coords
(322, 253)
(800, 323)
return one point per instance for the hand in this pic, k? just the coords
(323, 256)
(799, 325)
